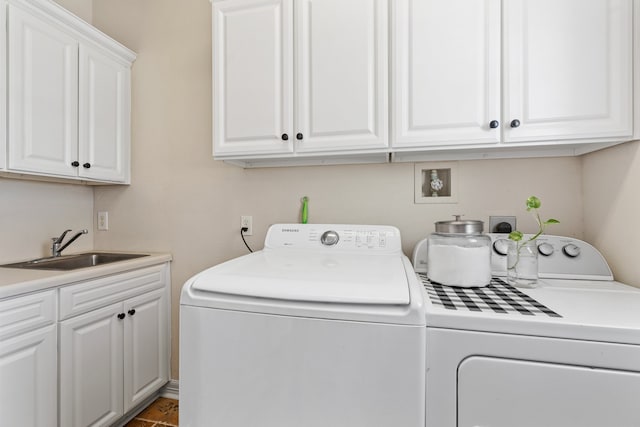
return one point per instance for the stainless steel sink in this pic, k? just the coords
(72, 262)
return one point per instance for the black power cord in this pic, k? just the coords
(242, 231)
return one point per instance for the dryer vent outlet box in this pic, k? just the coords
(502, 224)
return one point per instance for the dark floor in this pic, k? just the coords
(161, 413)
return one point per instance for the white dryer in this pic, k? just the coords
(565, 354)
(324, 327)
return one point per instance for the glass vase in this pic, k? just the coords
(522, 264)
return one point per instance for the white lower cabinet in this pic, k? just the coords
(113, 357)
(91, 360)
(94, 349)
(146, 339)
(28, 361)
(28, 379)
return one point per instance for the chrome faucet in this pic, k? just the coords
(56, 246)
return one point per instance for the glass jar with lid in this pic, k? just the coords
(459, 254)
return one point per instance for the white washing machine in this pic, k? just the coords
(565, 354)
(324, 327)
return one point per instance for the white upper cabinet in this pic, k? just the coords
(341, 75)
(252, 77)
(446, 72)
(329, 95)
(489, 78)
(104, 111)
(43, 96)
(3, 85)
(69, 91)
(568, 69)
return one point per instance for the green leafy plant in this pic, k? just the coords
(527, 274)
(533, 204)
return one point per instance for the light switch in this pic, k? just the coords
(103, 221)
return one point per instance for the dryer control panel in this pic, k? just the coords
(559, 257)
(341, 237)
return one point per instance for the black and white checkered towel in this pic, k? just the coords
(497, 297)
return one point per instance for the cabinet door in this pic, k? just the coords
(91, 368)
(252, 77)
(3, 85)
(446, 72)
(29, 379)
(43, 96)
(146, 346)
(341, 75)
(568, 69)
(104, 111)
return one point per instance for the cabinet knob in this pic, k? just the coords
(132, 312)
(121, 316)
(515, 123)
(494, 124)
(299, 136)
(86, 165)
(75, 164)
(285, 137)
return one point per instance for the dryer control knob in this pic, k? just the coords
(329, 238)
(571, 250)
(501, 246)
(545, 249)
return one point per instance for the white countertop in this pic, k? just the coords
(16, 281)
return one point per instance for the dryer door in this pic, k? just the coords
(505, 393)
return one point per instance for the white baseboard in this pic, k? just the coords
(171, 390)
(135, 411)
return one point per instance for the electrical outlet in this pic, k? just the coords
(494, 221)
(103, 221)
(246, 221)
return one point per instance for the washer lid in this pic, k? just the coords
(315, 276)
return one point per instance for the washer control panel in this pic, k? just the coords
(352, 238)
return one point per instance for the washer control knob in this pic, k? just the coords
(571, 250)
(500, 246)
(545, 249)
(329, 238)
